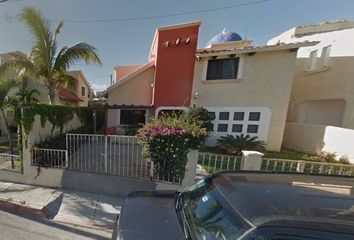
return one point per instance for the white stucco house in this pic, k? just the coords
(245, 88)
(322, 96)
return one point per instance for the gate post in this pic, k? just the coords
(105, 154)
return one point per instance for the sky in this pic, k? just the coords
(122, 31)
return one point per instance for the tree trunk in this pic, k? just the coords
(8, 137)
(51, 95)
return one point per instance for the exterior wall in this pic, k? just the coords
(265, 81)
(334, 83)
(136, 91)
(81, 82)
(49, 177)
(330, 80)
(314, 138)
(324, 112)
(175, 66)
(123, 71)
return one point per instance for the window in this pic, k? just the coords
(311, 65)
(254, 116)
(207, 213)
(132, 117)
(239, 116)
(222, 127)
(83, 91)
(325, 56)
(252, 129)
(212, 115)
(224, 116)
(222, 69)
(237, 128)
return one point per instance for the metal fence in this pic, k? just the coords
(54, 158)
(9, 161)
(282, 165)
(107, 154)
(209, 163)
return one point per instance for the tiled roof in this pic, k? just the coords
(250, 49)
(68, 96)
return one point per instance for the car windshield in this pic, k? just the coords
(208, 215)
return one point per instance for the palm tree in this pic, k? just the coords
(25, 96)
(236, 144)
(5, 87)
(45, 62)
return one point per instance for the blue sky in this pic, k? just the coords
(128, 42)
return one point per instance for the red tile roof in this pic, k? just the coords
(68, 96)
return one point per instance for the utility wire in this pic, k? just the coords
(159, 16)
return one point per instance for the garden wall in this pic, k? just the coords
(50, 177)
(312, 138)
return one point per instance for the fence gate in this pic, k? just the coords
(107, 154)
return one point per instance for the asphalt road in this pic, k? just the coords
(28, 228)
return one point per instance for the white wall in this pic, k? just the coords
(48, 177)
(314, 138)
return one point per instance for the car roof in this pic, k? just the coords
(266, 199)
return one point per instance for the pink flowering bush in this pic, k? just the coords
(167, 141)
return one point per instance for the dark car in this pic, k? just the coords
(247, 206)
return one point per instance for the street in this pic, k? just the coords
(24, 227)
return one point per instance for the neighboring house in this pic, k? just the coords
(321, 111)
(245, 88)
(323, 85)
(76, 93)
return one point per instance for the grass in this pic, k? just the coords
(292, 155)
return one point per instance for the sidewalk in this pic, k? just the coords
(61, 205)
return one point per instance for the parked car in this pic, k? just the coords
(247, 206)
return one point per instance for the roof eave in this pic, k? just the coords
(270, 48)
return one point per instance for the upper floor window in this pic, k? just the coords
(83, 91)
(222, 68)
(317, 63)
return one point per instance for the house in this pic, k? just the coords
(321, 110)
(246, 88)
(76, 93)
(323, 85)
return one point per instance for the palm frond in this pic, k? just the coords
(40, 29)
(5, 87)
(18, 66)
(69, 56)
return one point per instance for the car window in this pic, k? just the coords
(208, 215)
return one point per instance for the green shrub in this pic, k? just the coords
(167, 141)
(201, 116)
(236, 144)
(328, 156)
(131, 130)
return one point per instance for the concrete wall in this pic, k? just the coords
(332, 76)
(265, 80)
(313, 138)
(323, 112)
(333, 85)
(49, 177)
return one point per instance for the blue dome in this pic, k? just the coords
(223, 37)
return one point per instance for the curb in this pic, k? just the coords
(16, 208)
